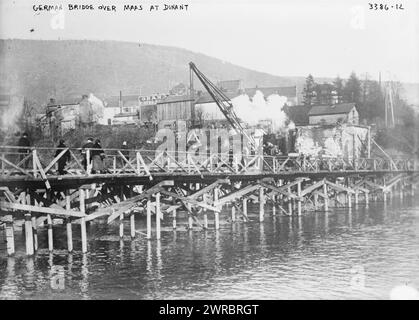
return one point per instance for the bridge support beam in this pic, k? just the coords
(216, 215)
(132, 224)
(299, 199)
(28, 235)
(148, 219)
(83, 221)
(158, 218)
(261, 205)
(174, 219)
(10, 235)
(326, 196)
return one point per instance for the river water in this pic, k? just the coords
(344, 254)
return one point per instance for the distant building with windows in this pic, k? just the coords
(332, 114)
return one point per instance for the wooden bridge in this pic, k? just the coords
(138, 183)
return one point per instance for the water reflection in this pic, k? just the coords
(294, 256)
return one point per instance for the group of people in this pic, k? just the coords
(94, 157)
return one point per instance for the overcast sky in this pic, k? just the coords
(285, 38)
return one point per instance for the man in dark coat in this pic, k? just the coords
(97, 157)
(62, 161)
(87, 146)
(23, 152)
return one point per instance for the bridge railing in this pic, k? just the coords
(42, 162)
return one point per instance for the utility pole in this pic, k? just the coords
(120, 101)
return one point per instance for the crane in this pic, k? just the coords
(223, 102)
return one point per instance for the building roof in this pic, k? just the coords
(4, 100)
(289, 92)
(230, 85)
(174, 99)
(127, 100)
(206, 98)
(298, 114)
(126, 114)
(331, 109)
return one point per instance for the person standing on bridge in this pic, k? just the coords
(62, 161)
(87, 146)
(98, 156)
(24, 151)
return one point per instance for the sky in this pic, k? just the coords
(286, 38)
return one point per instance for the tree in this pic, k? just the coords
(324, 94)
(352, 90)
(308, 92)
(338, 84)
(372, 104)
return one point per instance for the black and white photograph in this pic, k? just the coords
(208, 150)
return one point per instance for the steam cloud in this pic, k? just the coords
(256, 109)
(11, 116)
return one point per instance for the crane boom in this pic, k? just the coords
(223, 102)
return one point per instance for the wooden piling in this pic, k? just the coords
(34, 232)
(326, 196)
(356, 197)
(68, 224)
(132, 224)
(28, 235)
(10, 236)
(83, 221)
(289, 202)
(233, 213)
(158, 231)
(121, 225)
(205, 220)
(190, 219)
(174, 218)
(50, 234)
(274, 205)
(261, 204)
(316, 201)
(148, 219)
(245, 207)
(349, 200)
(216, 214)
(401, 190)
(299, 200)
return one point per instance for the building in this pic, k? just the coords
(64, 115)
(346, 140)
(132, 108)
(332, 114)
(233, 86)
(176, 108)
(207, 109)
(331, 130)
(298, 114)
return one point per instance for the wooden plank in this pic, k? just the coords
(41, 171)
(47, 168)
(235, 195)
(191, 201)
(311, 188)
(45, 210)
(14, 166)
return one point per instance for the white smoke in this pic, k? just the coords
(258, 108)
(98, 108)
(10, 116)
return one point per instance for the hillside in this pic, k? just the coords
(40, 69)
(68, 68)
